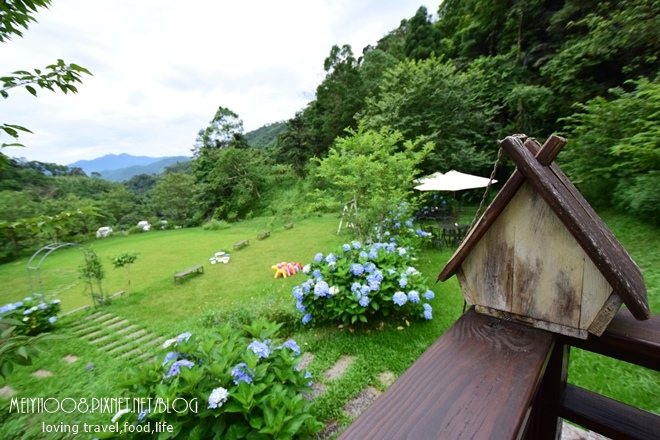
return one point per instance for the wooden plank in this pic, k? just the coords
(548, 263)
(545, 155)
(607, 416)
(619, 272)
(477, 381)
(626, 339)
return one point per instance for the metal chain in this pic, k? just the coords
(485, 196)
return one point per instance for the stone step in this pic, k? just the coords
(131, 353)
(144, 337)
(119, 349)
(99, 340)
(118, 324)
(339, 367)
(100, 318)
(92, 335)
(136, 334)
(125, 329)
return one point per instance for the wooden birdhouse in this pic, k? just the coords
(541, 256)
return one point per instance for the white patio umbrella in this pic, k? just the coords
(452, 181)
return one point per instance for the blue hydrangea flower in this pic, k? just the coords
(242, 373)
(402, 251)
(29, 298)
(429, 295)
(390, 248)
(306, 318)
(428, 312)
(291, 344)
(411, 271)
(52, 319)
(355, 287)
(397, 225)
(373, 284)
(176, 367)
(357, 245)
(318, 257)
(373, 254)
(369, 267)
(42, 306)
(261, 349)
(399, 298)
(142, 414)
(403, 282)
(364, 290)
(357, 269)
(18, 304)
(308, 375)
(169, 357)
(321, 289)
(413, 296)
(301, 307)
(364, 255)
(409, 223)
(55, 301)
(316, 273)
(7, 308)
(218, 397)
(346, 247)
(306, 268)
(391, 271)
(364, 301)
(377, 275)
(183, 337)
(27, 311)
(330, 258)
(298, 293)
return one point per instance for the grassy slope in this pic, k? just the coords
(165, 308)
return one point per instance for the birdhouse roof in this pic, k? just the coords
(535, 164)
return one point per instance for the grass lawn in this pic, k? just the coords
(162, 308)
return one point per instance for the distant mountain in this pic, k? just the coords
(123, 174)
(113, 162)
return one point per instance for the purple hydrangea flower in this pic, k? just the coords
(399, 298)
(261, 349)
(170, 357)
(242, 373)
(291, 344)
(176, 367)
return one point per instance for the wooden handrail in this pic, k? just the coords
(489, 378)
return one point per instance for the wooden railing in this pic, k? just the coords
(486, 378)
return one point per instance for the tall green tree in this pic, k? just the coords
(173, 197)
(432, 99)
(374, 168)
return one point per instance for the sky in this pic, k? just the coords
(161, 68)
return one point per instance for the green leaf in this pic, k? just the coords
(31, 90)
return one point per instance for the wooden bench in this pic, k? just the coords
(263, 235)
(194, 269)
(241, 244)
(288, 226)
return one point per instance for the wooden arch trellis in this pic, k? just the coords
(37, 259)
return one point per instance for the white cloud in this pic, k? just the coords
(162, 67)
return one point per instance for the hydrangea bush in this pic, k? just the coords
(36, 315)
(359, 283)
(245, 384)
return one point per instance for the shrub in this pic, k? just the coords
(36, 315)
(234, 386)
(358, 284)
(216, 225)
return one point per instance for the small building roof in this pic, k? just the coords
(579, 218)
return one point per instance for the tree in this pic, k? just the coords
(614, 151)
(125, 260)
(225, 129)
(431, 98)
(374, 168)
(92, 272)
(172, 197)
(422, 38)
(15, 17)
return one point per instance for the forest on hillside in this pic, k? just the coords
(434, 94)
